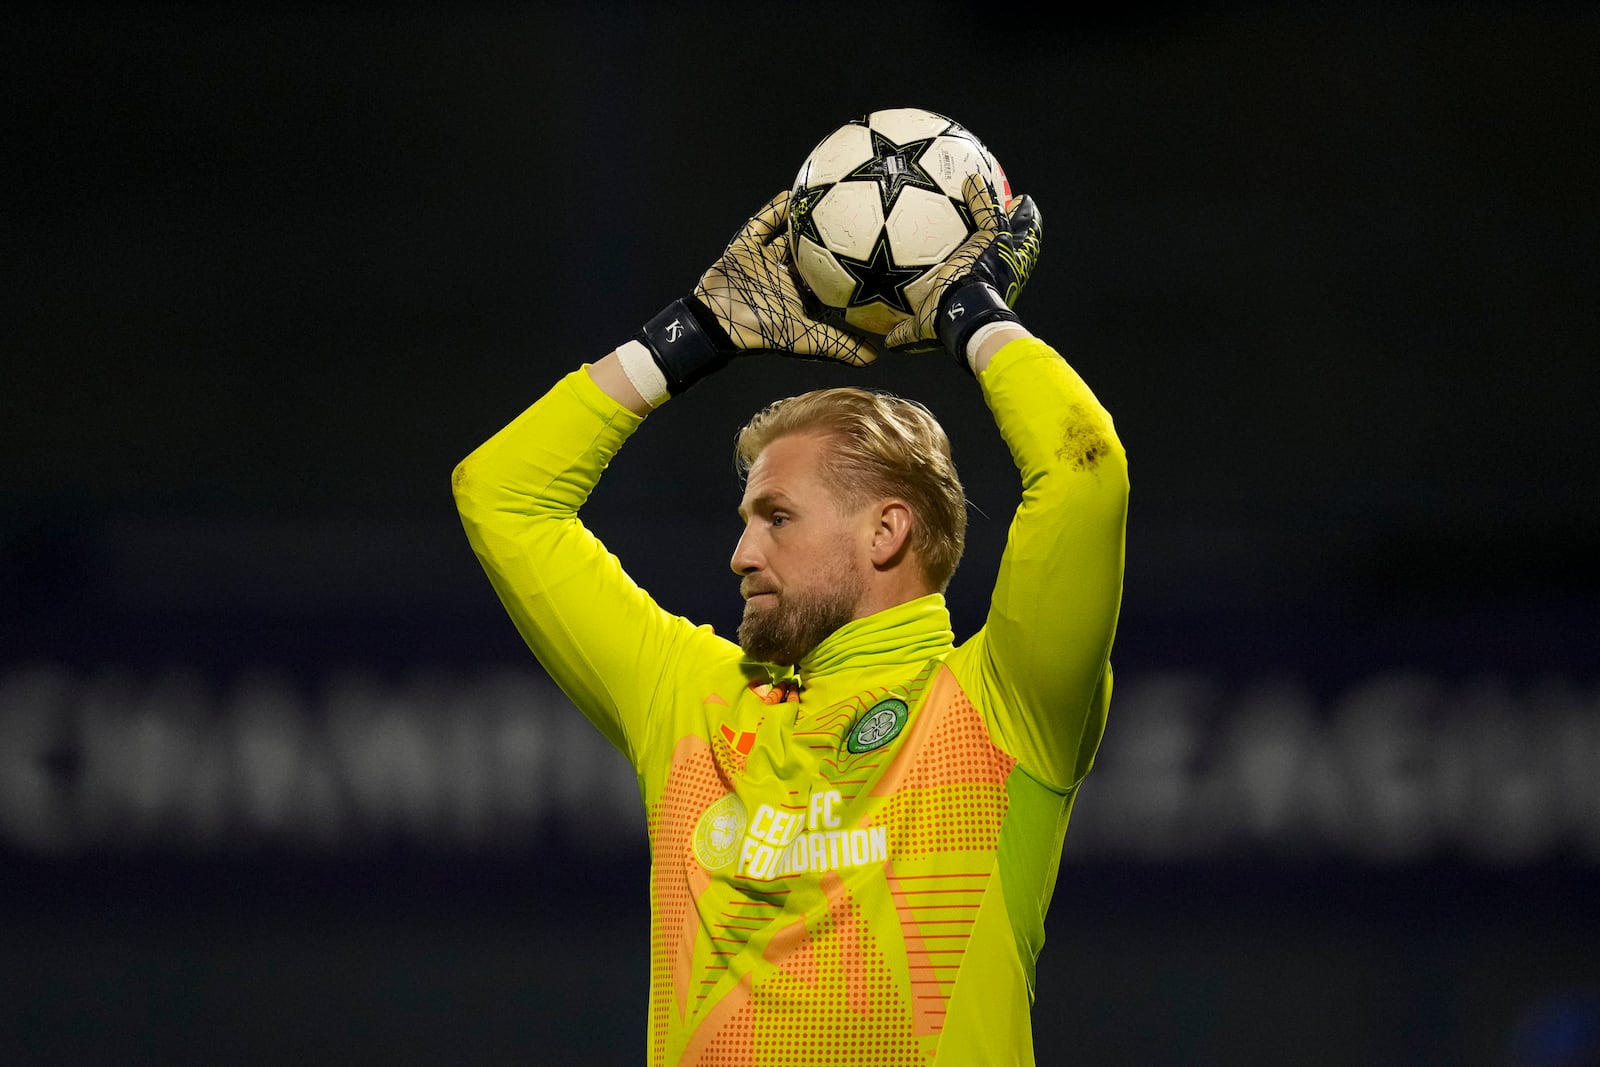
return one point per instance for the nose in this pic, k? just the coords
(746, 559)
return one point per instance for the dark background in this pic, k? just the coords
(271, 271)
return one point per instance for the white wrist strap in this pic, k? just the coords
(641, 369)
(980, 335)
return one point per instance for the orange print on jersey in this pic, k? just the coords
(743, 741)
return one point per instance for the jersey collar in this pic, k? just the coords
(912, 632)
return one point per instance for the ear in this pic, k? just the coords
(891, 536)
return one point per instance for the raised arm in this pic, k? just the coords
(1039, 668)
(519, 494)
(601, 637)
(1042, 657)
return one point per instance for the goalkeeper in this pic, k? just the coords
(855, 823)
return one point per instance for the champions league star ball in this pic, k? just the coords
(877, 208)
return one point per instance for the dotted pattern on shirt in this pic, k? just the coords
(832, 1000)
(695, 785)
(953, 797)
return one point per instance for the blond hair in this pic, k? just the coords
(882, 446)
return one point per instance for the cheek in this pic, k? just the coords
(817, 561)
(839, 557)
(798, 563)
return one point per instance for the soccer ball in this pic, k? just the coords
(877, 208)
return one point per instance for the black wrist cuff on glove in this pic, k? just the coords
(963, 310)
(687, 343)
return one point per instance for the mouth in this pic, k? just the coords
(752, 596)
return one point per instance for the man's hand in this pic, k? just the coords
(748, 301)
(981, 281)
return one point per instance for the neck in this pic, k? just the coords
(891, 589)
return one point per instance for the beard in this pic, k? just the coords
(786, 631)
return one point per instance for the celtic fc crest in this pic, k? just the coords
(880, 725)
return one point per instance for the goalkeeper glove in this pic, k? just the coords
(747, 301)
(980, 282)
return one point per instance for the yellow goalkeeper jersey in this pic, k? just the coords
(851, 858)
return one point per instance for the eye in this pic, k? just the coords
(779, 518)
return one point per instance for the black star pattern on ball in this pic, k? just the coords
(802, 220)
(879, 279)
(894, 166)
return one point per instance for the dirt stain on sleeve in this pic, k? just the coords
(1083, 442)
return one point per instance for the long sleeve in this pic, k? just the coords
(603, 640)
(1040, 664)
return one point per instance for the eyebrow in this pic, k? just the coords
(764, 502)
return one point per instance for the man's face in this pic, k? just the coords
(802, 559)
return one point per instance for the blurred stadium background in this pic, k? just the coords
(278, 782)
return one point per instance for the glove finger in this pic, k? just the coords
(1025, 217)
(776, 251)
(1019, 249)
(980, 202)
(903, 333)
(821, 341)
(770, 220)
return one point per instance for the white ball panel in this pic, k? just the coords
(821, 272)
(950, 159)
(904, 124)
(923, 228)
(840, 152)
(849, 217)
